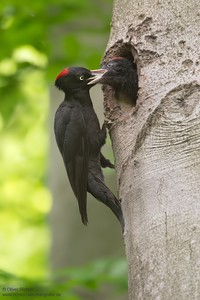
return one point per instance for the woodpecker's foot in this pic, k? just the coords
(105, 163)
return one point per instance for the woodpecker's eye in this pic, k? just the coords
(109, 65)
(81, 77)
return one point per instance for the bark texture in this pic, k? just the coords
(157, 146)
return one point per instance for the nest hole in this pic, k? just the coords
(126, 50)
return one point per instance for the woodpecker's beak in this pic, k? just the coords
(96, 76)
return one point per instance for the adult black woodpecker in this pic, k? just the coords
(121, 74)
(79, 139)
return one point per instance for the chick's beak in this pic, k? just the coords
(96, 76)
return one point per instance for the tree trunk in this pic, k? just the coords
(157, 146)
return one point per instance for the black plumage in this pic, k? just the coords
(121, 74)
(79, 139)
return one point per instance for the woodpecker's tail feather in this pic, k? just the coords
(101, 192)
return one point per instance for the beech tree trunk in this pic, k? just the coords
(157, 146)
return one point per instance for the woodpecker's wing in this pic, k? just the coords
(71, 137)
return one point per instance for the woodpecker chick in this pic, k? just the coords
(121, 74)
(79, 139)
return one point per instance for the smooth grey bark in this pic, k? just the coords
(157, 146)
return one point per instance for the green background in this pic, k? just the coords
(39, 38)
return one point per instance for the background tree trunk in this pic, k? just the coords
(157, 146)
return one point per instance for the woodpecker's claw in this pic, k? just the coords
(97, 75)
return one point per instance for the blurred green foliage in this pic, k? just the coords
(37, 39)
(105, 278)
(23, 137)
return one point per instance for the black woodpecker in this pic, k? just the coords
(79, 139)
(121, 74)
